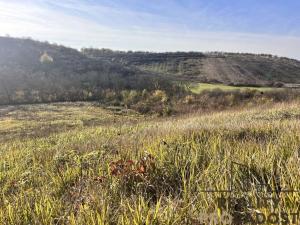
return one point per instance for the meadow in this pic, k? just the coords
(82, 163)
(197, 88)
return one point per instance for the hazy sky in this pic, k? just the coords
(258, 26)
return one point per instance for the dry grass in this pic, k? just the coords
(143, 171)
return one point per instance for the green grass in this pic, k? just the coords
(135, 170)
(199, 87)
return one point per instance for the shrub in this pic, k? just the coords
(160, 95)
(129, 97)
(189, 99)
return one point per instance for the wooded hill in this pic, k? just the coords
(214, 67)
(32, 71)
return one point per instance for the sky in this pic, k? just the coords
(255, 26)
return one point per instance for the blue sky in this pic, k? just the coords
(258, 26)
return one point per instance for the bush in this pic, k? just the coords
(160, 95)
(189, 99)
(218, 99)
(129, 97)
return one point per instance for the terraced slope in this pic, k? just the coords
(227, 68)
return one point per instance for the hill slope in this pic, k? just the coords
(32, 71)
(227, 68)
(124, 168)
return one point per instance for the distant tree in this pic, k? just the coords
(45, 58)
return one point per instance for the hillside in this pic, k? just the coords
(157, 156)
(227, 68)
(32, 71)
(35, 72)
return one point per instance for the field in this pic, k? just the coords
(199, 87)
(79, 163)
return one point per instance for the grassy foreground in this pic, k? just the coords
(82, 164)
